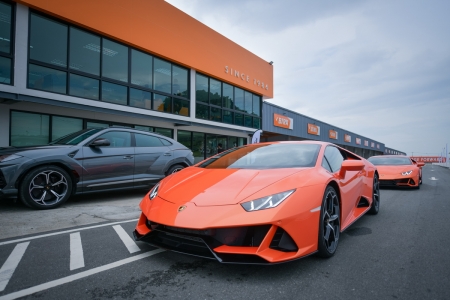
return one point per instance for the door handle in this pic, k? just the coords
(167, 154)
(127, 157)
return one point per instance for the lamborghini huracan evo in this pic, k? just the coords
(398, 170)
(261, 203)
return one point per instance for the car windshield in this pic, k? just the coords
(265, 156)
(75, 137)
(390, 161)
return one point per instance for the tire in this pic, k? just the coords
(45, 187)
(329, 224)
(174, 169)
(375, 207)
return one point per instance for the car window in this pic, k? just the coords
(334, 158)
(76, 137)
(117, 138)
(143, 140)
(326, 165)
(166, 142)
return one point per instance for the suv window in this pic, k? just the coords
(143, 140)
(117, 138)
(166, 142)
(334, 158)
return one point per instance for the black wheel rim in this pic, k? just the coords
(331, 221)
(48, 188)
(376, 193)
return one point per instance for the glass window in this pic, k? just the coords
(96, 125)
(248, 106)
(228, 116)
(228, 97)
(202, 112)
(256, 105)
(140, 99)
(62, 126)
(84, 52)
(115, 61)
(180, 82)
(141, 69)
(165, 142)
(184, 137)
(162, 103)
(256, 123)
(29, 129)
(181, 107)
(216, 114)
(143, 140)
(48, 41)
(117, 139)
(334, 158)
(164, 131)
(5, 28)
(201, 88)
(114, 93)
(163, 76)
(239, 99)
(215, 90)
(145, 128)
(84, 87)
(198, 146)
(248, 121)
(46, 79)
(238, 119)
(5, 69)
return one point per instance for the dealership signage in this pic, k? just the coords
(333, 134)
(372, 144)
(283, 121)
(430, 159)
(366, 143)
(313, 129)
(378, 146)
(348, 138)
(358, 141)
(245, 77)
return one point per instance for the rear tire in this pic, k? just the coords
(45, 187)
(375, 207)
(329, 224)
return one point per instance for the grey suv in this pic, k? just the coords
(90, 160)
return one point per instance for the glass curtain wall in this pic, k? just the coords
(68, 60)
(6, 42)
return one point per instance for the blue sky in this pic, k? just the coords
(378, 68)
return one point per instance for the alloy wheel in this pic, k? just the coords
(48, 187)
(331, 221)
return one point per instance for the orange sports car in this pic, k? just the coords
(261, 203)
(398, 170)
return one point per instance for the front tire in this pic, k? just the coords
(330, 224)
(375, 207)
(45, 187)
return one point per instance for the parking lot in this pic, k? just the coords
(85, 250)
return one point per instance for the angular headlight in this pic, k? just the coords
(406, 173)
(9, 157)
(266, 202)
(154, 192)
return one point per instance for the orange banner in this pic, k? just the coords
(313, 129)
(283, 121)
(347, 138)
(429, 159)
(358, 141)
(333, 134)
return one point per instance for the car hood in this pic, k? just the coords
(394, 170)
(211, 187)
(34, 151)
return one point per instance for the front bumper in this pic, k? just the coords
(402, 182)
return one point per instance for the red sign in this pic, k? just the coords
(313, 129)
(358, 141)
(333, 134)
(347, 138)
(429, 159)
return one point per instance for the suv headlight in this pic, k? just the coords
(8, 157)
(406, 173)
(266, 202)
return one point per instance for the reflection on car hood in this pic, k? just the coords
(210, 187)
(32, 151)
(394, 170)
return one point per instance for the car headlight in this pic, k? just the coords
(266, 202)
(406, 173)
(8, 157)
(154, 192)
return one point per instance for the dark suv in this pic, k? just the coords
(89, 160)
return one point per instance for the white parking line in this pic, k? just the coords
(76, 252)
(62, 232)
(48, 285)
(11, 263)
(129, 243)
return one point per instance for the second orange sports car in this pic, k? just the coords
(261, 203)
(398, 170)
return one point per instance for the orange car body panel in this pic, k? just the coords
(211, 198)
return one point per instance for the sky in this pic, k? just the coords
(378, 68)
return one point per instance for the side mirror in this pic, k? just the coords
(420, 164)
(351, 165)
(99, 142)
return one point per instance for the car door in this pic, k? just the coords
(151, 159)
(109, 167)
